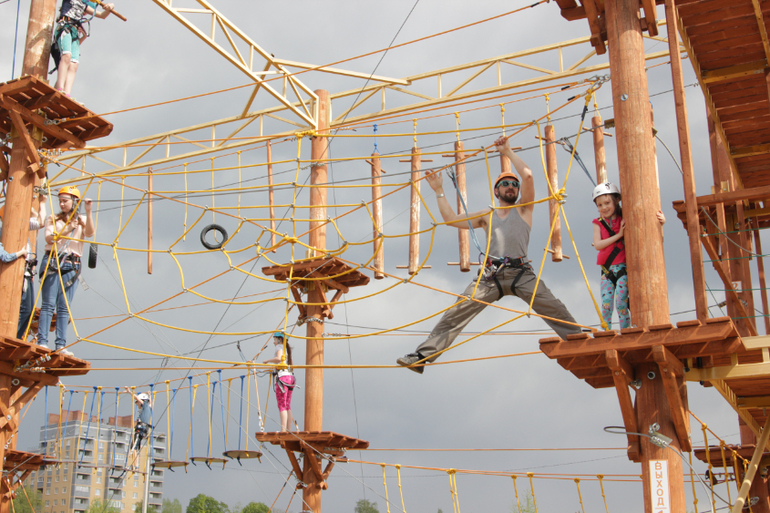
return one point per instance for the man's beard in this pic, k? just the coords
(509, 197)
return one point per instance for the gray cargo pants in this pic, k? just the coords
(456, 318)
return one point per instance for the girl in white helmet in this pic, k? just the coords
(609, 229)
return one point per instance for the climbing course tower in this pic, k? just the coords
(653, 357)
(34, 119)
(316, 275)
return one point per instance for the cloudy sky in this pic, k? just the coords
(524, 406)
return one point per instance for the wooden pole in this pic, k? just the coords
(316, 294)
(379, 239)
(553, 205)
(462, 190)
(648, 289)
(599, 157)
(749, 477)
(270, 193)
(745, 241)
(685, 155)
(636, 163)
(149, 220)
(762, 281)
(414, 213)
(39, 34)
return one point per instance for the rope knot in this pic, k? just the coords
(304, 133)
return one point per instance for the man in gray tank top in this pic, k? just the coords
(507, 271)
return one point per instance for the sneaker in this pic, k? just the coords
(409, 360)
(44, 346)
(64, 352)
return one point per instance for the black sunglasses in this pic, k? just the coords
(506, 183)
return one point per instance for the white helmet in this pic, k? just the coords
(604, 188)
(143, 396)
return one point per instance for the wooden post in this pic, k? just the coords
(745, 242)
(270, 193)
(648, 289)
(149, 220)
(414, 213)
(462, 190)
(39, 34)
(762, 281)
(601, 160)
(755, 459)
(685, 155)
(379, 240)
(553, 205)
(316, 294)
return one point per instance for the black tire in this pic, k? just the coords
(216, 245)
(93, 253)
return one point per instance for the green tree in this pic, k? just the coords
(97, 506)
(204, 504)
(138, 507)
(23, 504)
(256, 507)
(366, 506)
(170, 506)
(527, 505)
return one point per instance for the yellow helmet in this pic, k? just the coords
(71, 190)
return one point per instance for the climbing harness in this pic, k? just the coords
(494, 265)
(618, 247)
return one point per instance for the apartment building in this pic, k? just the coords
(92, 456)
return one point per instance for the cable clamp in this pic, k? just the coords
(309, 133)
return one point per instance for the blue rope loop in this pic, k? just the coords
(222, 408)
(240, 416)
(173, 415)
(192, 432)
(375, 138)
(115, 436)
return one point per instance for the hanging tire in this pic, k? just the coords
(216, 245)
(93, 253)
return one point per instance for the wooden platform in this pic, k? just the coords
(328, 272)
(32, 364)
(326, 442)
(312, 444)
(745, 452)
(586, 356)
(20, 460)
(66, 123)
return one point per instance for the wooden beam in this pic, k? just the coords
(671, 369)
(733, 72)
(722, 372)
(40, 122)
(728, 394)
(622, 375)
(762, 28)
(719, 268)
(295, 465)
(750, 151)
(592, 13)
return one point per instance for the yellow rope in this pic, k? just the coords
(400, 490)
(385, 484)
(711, 467)
(580, 495)
(532, 487)
(98, 398)
(724, 465)
(516, 492)
(453, 490)
(692, 481)
(604, 496)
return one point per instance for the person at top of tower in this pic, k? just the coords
(507, 270)
(609, 229)
(68, 35)
(284, 381)
(64, 267)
